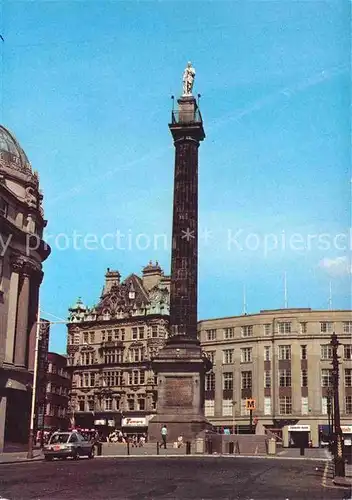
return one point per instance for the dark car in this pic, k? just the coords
(68, 444)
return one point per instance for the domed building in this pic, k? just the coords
(22, 251)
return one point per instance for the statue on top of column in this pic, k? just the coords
(188, 79)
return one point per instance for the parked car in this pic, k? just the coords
(68, 444)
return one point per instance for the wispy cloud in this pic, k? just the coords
(340, 266)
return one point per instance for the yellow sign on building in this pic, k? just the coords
(250, 404)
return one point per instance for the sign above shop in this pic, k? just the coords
(346, 429)
(299, 428)
(100, 422)
(134, 422)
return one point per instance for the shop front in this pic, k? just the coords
(135, 426)
(296, 436)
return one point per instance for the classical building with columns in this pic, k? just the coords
(21, 255)
(281, 359)
(109, 351)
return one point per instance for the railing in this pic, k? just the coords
(181, 117)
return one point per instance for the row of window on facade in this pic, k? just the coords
(285, 406)
(284, 353)
(113, 378)
(53, 410)
(284, 379)
(119, 334)
(112, 356)
(283, 328)
(134, 403)
(57, 389)
(52, 368)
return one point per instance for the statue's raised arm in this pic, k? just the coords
(188, 79)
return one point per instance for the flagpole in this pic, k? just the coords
(34, 389)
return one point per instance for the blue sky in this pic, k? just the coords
(86, 89)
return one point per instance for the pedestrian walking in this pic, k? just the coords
(164, 435)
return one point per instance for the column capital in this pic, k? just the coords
(26, 267)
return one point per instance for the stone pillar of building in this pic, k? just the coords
(32, 319)
(3, 402)
(180, 366)
(22, 319)
(16, 265)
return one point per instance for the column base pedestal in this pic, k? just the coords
(181, 369)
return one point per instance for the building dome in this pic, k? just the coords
(11, 154)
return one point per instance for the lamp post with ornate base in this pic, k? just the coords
(338, 440)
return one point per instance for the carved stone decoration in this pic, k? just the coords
(31, 198)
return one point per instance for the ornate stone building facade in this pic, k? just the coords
(110, 347)
(21, 255)
(58, 385)
(282, 360)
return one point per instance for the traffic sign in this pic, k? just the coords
(250, 404)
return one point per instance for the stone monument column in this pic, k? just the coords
(180, 366)
(16, 264)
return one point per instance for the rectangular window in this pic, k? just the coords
(229, 333)
(91, 337)
(109, 333)
(284, 327)
(108, 404)
(81, 403)
(324, 405)
(154, 331)
(347, 327)
(142, 377)
(116, 334)
(303, 327)
(348, 377)
(141, 404)
(347, 351)
(130, 403)
(304, 406)
(285, 378)
(141, 332)
(285, 405)
(326, 378)
(246, 380)
(210, 381)
(246, 355)
(211, 334)
(134, 333)
(284, 352)
(326, 351)
(267, 353)
(244, 410)
(267, 329)
(348, 405)
(228, 380)
(304, 378)
(227, 356)
(135, 378)
(247, 331)
(303, 352)
(267, 406)
(211, 356)
(122, 332)
(227, 407)
(209, 407)
(85, 338)
(91, 405)
(326, 327)
(4, 207)
(267, 379)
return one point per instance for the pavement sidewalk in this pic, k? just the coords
(20, 456)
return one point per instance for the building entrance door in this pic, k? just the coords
(299, 439)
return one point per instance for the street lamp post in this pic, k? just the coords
(233, 416)
(338, 441)
(329, 410)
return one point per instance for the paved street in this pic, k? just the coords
(167, 478)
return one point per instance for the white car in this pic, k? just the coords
(68, 444)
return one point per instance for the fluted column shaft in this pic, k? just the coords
(22, 321)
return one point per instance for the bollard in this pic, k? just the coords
(231, 447)
(188, 448)
(210, 447)
(99, 448)
(128, 446)
(301, 452)
(157, 448)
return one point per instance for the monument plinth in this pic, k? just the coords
(180, 365)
